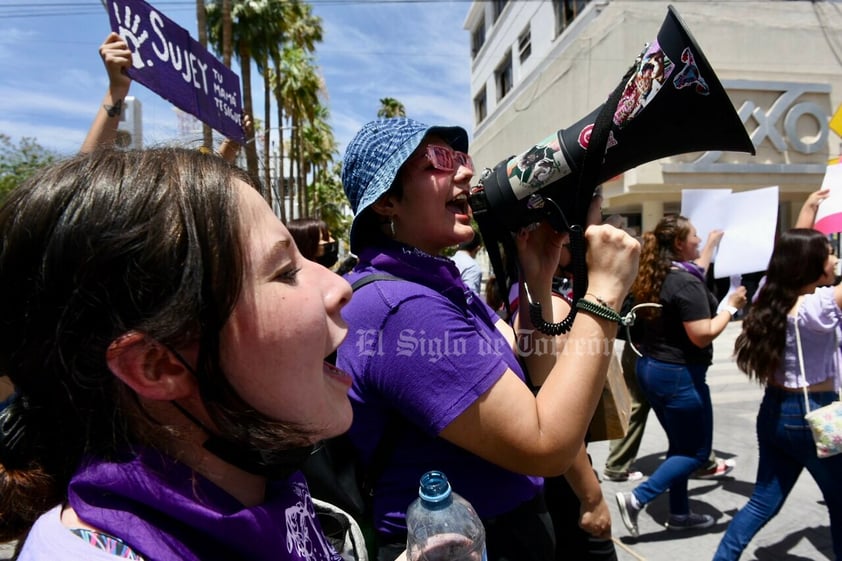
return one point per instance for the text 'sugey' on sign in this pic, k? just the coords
(172, 64)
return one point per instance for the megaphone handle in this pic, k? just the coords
(580, 287)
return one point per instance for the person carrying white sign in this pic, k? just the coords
(677, 351)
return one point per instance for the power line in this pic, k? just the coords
(27, 10)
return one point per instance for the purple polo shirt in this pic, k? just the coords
(422, 352)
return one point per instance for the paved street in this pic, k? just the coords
(800, 532)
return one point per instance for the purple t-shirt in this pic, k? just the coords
(421, 353)
(819, 319)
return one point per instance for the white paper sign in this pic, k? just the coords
(733, 284)
(704, 209)
(750, 235)
(748, 220)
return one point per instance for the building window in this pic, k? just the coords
(565, 12)
(503, 77)
(478, 38)
(499, 5)
(524, 44)
(480, 106)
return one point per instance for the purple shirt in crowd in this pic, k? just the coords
(421, 353)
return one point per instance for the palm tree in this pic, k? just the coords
(248, 21)
(301, 30)
(391, 107)
(227, 43)
(317, 146)
(265, 48)
(207, 132)
(299, 86)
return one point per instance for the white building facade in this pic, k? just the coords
(542, 65)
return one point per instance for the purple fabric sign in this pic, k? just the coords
(172, 64)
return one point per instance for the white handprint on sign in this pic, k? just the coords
(129, 33)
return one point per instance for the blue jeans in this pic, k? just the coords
(680, 398)
(785, 448)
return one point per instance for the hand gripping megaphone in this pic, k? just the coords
(670, 102)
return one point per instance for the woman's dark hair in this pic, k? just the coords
(91, 248)
(307, 233)
(797, 261)
(369, 229)
(656, 257)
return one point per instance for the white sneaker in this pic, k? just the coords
(628, 512)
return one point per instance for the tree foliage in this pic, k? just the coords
(329, 199)
(391, 107)
(18, 162)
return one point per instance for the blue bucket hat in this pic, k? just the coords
(377, 152)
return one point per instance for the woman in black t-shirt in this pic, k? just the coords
(677, 351)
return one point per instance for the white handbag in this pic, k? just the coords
(825, 422)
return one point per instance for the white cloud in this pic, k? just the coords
(416, 52)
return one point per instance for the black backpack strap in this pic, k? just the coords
(382, 452)
(368, 279)
(391, 435)
(359, 283)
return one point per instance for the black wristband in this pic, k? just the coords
(114, 110)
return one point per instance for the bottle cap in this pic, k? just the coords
(434, 487)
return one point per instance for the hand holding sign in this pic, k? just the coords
(829, 212)
(748, 219)
(169, 62)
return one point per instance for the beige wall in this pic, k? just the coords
(751, 46)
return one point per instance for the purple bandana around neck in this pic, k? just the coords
(691, 268)
(167, 512)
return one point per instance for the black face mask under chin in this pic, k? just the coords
(330, 256)
(271, 464)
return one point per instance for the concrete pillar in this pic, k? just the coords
(651, 213)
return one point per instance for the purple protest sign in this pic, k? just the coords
(172, 64)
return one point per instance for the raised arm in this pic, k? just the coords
(116, 56)
(706, 255)
(807, 215)
(228, 149)
(543, 434)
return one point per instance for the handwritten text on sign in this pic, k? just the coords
(169, 62)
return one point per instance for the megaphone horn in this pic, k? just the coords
(672, 103)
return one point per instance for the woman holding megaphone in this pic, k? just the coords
(427, 354)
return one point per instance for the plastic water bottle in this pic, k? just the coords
(441, 525)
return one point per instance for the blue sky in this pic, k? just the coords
(415, 51)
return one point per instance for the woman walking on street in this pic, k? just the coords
(677, 351)
(794, 303)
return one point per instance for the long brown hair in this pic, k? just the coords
(656, 257)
